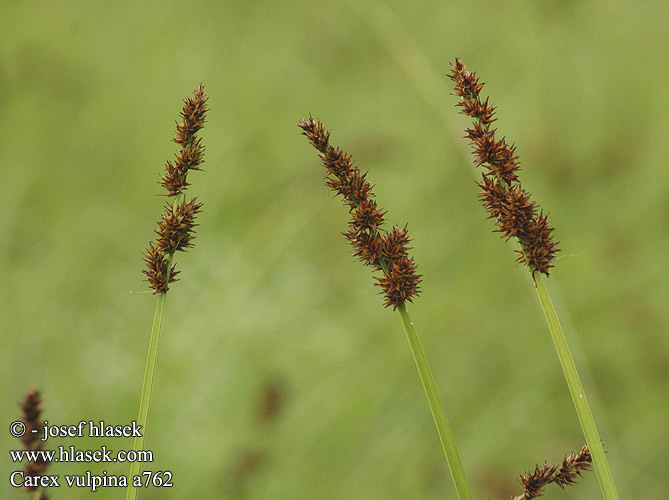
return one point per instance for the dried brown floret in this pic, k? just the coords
(366, 217)
(534, 482)
(400, 283)
(572, 466)
(367, 247)
(192, 115)
(174, 179)
(395, 245)
(156, 271)
(176, 227)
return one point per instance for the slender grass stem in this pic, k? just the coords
(437, 408)
(149, 372)
(147, 388)
(599, 461)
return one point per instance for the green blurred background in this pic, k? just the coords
(280, 374)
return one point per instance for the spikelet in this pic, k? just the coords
(572, 466)
(515, 214)
(384, 251)
(176, 227)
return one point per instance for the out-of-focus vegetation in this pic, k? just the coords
(271, 310)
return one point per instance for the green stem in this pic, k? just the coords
(577, 393)
(150, 371)
(147, 388)
(437, 407)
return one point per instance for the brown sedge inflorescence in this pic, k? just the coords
(515, 214)
(176, 227)
(32, 407)
(385, 251)
(572, 466)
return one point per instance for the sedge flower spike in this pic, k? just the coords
(515, 214)
(175, 233)
(385, 251)
(176, 227)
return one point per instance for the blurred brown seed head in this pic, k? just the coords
(501, 193)
(272, 399)
(372, 245)
(32, 407)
